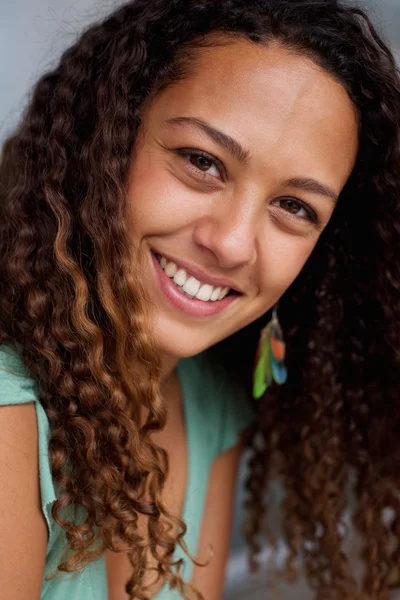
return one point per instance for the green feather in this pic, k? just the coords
(262, 378)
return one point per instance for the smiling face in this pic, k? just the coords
(233, 180)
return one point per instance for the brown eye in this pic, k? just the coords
(291, 206)
(299, 209)
(201, 162)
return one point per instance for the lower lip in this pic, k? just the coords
(190, 306)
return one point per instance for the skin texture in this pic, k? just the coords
(294, 120)
(232, 218)
(22, 525)
(71, 295)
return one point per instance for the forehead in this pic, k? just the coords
(272, 100)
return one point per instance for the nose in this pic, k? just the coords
(229, 232)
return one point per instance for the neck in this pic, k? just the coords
(168, 365)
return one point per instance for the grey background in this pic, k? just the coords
(33, 33)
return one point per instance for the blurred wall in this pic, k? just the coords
(33, 33)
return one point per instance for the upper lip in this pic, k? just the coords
(201, 275)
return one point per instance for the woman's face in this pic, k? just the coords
(233, 180)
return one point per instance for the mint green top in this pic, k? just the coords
(215, 412)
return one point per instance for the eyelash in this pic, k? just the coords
(311, 214)
(187, 153)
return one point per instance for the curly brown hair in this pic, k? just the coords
(71, 300)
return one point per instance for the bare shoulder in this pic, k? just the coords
(23, 528)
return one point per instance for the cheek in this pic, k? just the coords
(158, 203)
(283, 257)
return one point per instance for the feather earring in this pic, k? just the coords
(270, 358)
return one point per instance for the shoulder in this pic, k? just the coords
(222, 403)
(21, 414)
(22, 524)
(23, 528)
(23, 420)
(16, 384)
(234, 404)
(19, 437)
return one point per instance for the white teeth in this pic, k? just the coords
(205, 292)
(191, 286)
(171, 269)
(180, 277)
(223, 293)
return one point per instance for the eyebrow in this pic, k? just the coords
(313, 186)
(242, 155)
(224, 140)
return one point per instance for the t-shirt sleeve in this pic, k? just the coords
(18, 387)
(235, 410)
(236, 417)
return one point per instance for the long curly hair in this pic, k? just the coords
(71, 300)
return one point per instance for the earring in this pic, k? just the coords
(270, 357)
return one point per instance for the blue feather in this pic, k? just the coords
(279, 371)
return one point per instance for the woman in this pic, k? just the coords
(186, 166)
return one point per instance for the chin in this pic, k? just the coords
(180, 341)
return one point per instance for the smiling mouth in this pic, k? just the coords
(182, 290)
(189, 285)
